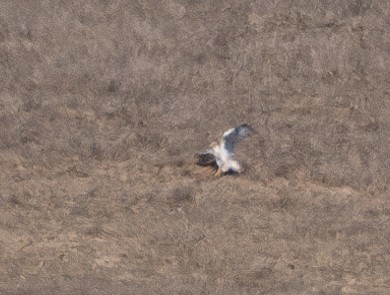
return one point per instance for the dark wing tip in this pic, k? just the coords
(244, 130)
(205, 159)
(247, 126)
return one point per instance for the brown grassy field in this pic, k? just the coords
(104, 103)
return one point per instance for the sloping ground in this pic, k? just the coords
(178, 232)
(104, 103)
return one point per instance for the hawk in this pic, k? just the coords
(221, 155)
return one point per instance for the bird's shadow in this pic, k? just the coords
(231, 172)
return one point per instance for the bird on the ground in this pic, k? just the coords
(221, 155)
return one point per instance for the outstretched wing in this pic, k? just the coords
(234, 135)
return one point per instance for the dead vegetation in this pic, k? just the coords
(103, 105)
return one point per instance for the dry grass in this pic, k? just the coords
(103, 105)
